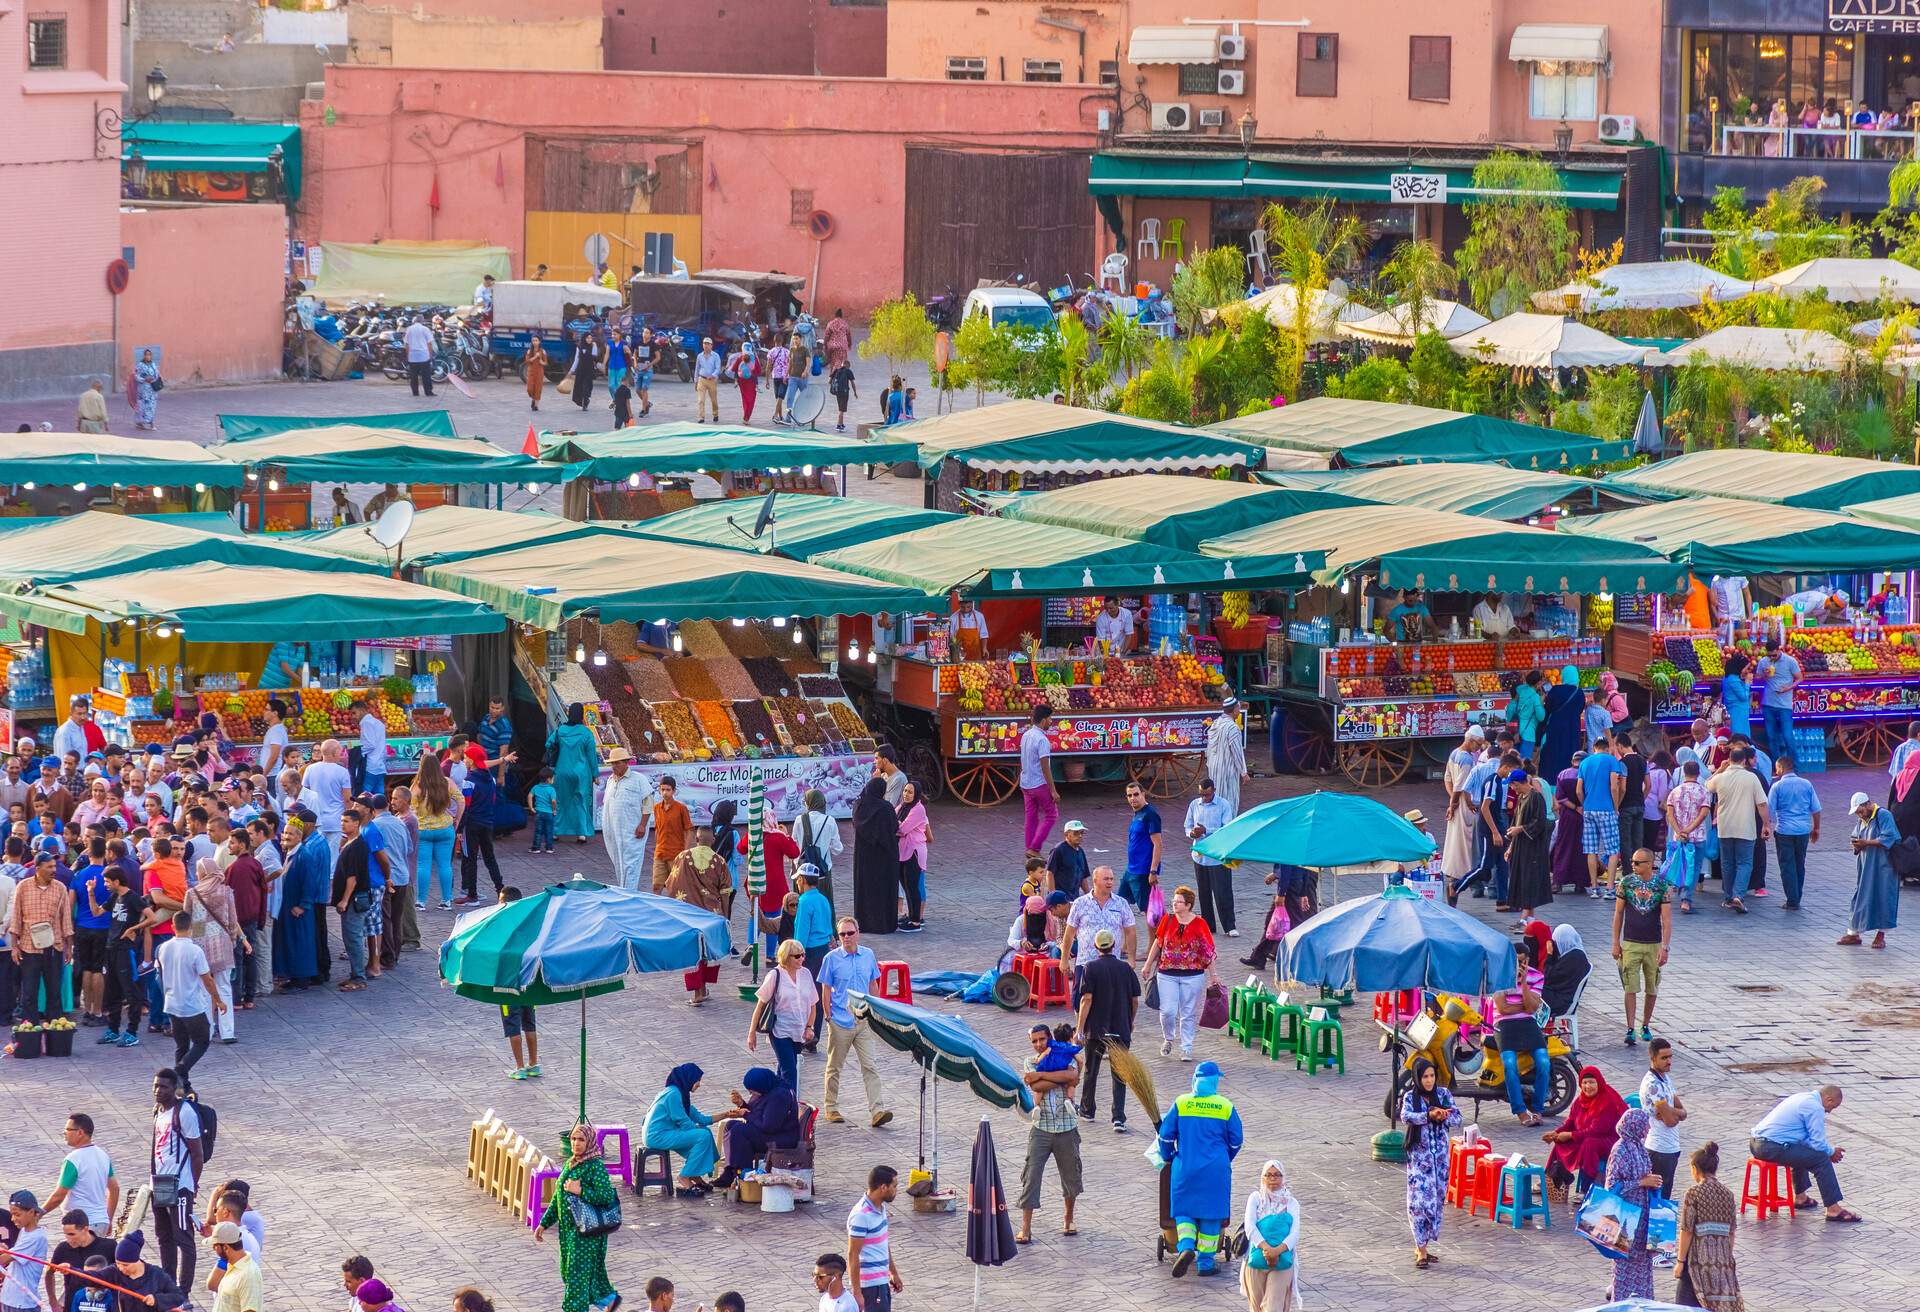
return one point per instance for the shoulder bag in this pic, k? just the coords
(763, 1023)
(591, 1221)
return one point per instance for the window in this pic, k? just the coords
(966, 68)
(46, 42)
(1109, 72)
(1199, 79)
(1430, 68)
(1563, 90)
(1041, 70)
(1736, 80)
(1319, 73)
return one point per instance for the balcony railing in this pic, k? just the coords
(1759, 142)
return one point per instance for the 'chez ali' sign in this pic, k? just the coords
(1899, 16)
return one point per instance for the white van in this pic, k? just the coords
(1011, 306)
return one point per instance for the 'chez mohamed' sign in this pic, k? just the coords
(1896, 16)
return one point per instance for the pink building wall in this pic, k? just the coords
(923, 34)
(208, 289)
(398, 131)
(59, 191)
(792, 38)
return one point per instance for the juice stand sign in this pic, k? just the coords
(1448, 718)
(1087, 735)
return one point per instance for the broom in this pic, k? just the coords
(1135, 1076)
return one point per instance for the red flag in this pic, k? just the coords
(433, 197)
(530, 447)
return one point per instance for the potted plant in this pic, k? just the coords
(57, 1037)
(27, 1040)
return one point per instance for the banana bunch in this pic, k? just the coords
(1236, 608)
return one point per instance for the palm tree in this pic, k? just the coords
(1419, 277)
(1169, 388)
(1306, 243)
(1124, 343)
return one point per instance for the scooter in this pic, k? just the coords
(1480, 1074)
(1489, 1083)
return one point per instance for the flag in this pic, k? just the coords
(530, 447)
(756, 836)
(433, 196)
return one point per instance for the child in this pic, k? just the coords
(1061, 1050)
(895, 401)
(546, 809)
(909, 411)
(842, 386)
(518, 1023)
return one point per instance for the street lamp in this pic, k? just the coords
(136, 174)
(1562, 139)
(1248, 126)
(156, 89)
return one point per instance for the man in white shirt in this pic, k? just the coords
(373, 749)
(71, 736)
(189, 997)
(332, 789)
(830, 1278)
(483, 295)
(419, 340)
(1205, 814)
(87, 1181)
(1040, 796)
(1662, 1106)
(273, 743)
(1494, 615)
(1114, 626)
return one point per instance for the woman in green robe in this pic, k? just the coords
(583, 1258)
(576, 764)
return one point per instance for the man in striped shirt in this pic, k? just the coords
(867, 1249)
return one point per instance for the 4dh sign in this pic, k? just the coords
(1889, 16)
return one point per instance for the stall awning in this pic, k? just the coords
(207, 147)
(1022, 437)
(349, 453)
(1353, 432)
(250, 603)
(97, 459)
(1168, 510)
(1412, 547)
(94, 543)
(804, 525)
(429, 423)
(701, 448)
(446, 533)
(1174, 45)
(1369, 180)
(1718, 535)
(1490, 491)
(640, 580)
(1147, 173)
(1579, 43)
(1788, 478)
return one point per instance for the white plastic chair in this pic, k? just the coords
(1257, 252)
(1149, 239)
(1114, 267)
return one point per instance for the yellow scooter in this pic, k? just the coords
(1478, 1073)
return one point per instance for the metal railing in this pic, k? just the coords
(1759, 141)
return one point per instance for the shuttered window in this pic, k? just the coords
(1319, 73)
(1430, 68)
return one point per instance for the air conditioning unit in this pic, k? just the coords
(1175, 117)
(1233, 47)
(1213, 118)
(1233, 81)
(1617, 127)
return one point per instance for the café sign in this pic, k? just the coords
(1889, 16)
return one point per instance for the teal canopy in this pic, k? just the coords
(805, 525)
(94, 543)
(1346, 432)
(1032, 436)
(1493, 491)
(697, 448)
(950, 1044)
(85, 461)
(1168, 510)
(428, 423)
(200, 146)
(1319, 831)
(1718, 535)
(348, 453)
(1231, 176)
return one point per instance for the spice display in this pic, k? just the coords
(745, 640)
(732, 679)
(701, 638)
(691, 679)
(717, 723)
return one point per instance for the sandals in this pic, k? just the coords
(1844, 1217)
(1423, 1261)
(352, 986)
(1069, 1230)
(1848, 941)
(1879, 940)
(1023, 1239)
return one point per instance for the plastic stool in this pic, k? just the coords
(1523, 1193)
(1256, 1012)
(895, 982)
(1051, 985)
(1463, 1161)
(1486, 1185)
(1775, 1193)
(1285, 1023)
(537, 1193)
(642, 1177)
(478, 1135)
(619, 1168)
(1322, 1042)
(1237, 1010)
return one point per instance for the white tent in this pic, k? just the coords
(1448, 318)
(1847, 280)
(1328, 309)
(1801, 350)
(1657, 285)
(1545, 341)
(1869, 330)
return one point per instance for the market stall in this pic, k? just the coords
(1800, 350)
(1404, 323)
(1847, 279)
(800, 526)
(1787, 478)
(1653, 285)
(1492, 491)
(60, 473)
(1861, 673)
(1329, 432)
(447, 533)
(427, 423)
(1545, 341)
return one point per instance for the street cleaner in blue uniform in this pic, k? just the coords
(1200, 1136)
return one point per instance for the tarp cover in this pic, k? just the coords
(1353, 432)
(432, 423)
(1848, 280)
(443, 533)
(1652, 285)
(94, 458)
(805, 525)
(1035, 436)
(408, 272)
(1493, 491)
(94, 543)
(1790, 478)
(688, 448)
(1326, 310)
(1545, 341)
(349, 453)
(1400, 326)
(1717, 535)
(1170, 510)
(1801, 350)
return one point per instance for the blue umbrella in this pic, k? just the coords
(1399, 940)
(1318, 830)
(955, 1051)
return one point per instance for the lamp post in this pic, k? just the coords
(1562, 140)
(1248, 127)
(136, 175)
(156, 90)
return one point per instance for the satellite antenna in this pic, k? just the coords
(390, 529)
(763, 523)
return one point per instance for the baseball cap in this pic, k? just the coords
(1103, 939)
(225, 1233)
(1077, 826)
(24, 1198)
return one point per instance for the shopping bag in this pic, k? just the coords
(1152, 1001)
(1277, 923)
(1663, 1227)
(1608, 1222)
(1213, 1011)
(1156, 905)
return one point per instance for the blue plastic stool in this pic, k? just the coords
(1523, 1193)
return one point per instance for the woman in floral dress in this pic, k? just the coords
(1428, 1112)
(143, 391)
(1630, 1174)
(1708, 1216)
(583, 1258)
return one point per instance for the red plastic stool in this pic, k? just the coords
(1051, 984)
(1462, 1168)
(894, 982)
(1395, 1008)
(1486, 1185)
(1775, 1193)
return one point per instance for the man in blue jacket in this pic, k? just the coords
(1200, 1136)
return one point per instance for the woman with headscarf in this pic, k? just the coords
(1566, 969)
(1427, 1112)
(585, 367)
(216, 927)
(583, 1258)
(675, 1125)
(1903, 799)
(1612, 700)
(914, 835)
(1529, 865)
(770, 1118)
(1580, 1143)
(1876, 889)
(1736, 695)
(726, 841)
(143, 391)
(1703, 1261)
(1270, 1275)
(876, 860)
(575, 759)
(1562, 737)
(1630, 1174)
(1566, 862)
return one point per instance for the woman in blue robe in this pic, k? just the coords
(575, 758)
(309, 881)
(771, 1120)
(675, 1125)
(1562, 737)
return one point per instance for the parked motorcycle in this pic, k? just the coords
(1480, 1074)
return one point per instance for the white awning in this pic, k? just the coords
(1579, 43)
(1174, 45)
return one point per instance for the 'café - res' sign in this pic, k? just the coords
(1895, 16)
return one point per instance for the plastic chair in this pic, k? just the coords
(1257, 252)
(1050, 985)
(1775, 1192)
(1176, 238)
(619, 1168)
(642, 1177)
(1114, 267)
(894, 983)
(1149, 239)
(1523, 1193)
(1486, 1185)
(1322, 1043)
(1285, 1024)
(537, 1192)
(1463, 1161)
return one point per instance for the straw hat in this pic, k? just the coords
(617, 755)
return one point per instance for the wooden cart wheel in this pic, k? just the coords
(981, 783)
(1376, 764)
(922, 764)
(1867, 742)
(1308, 747)
(1168, 774)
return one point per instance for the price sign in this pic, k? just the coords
(1417, 188)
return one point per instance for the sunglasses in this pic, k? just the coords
(849, 933)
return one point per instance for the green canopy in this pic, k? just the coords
(1035, 437)
(1493, 491)
(1788, 478)
(1417, 548)
(1717, 535)
(1230, 176)
(446, 533)
(93, 543)
(85, 460)
(203, 146)
(428, 423)
(1901, 511)
(805, 525)
(1169, 510)
(695, 448)
(993, 557)
(625, 578)
(349, 453)
(1349, 433)
(258, 603)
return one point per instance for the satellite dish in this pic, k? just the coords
(390, 530)
(596, 248)
(765, 517)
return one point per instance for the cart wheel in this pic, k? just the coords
(1376, 764)
(981, 783)
(1866, 742)
(520, 370)
(1307, 747)
(922, 764)
(1167, 775)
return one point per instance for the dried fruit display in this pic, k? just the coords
(701, 638)
(756, 726)
(800, 662)
(717, 723)
(848, 720)
(690, 678)
(802, 721)
(646, 736)
(573, 685)
(818, 685)
(731, 678)
(770, 679)
(650, 680)
(676, 721)
(745, 640)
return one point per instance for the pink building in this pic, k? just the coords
(60, 101)
(793, 38)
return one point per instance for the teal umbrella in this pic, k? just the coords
(574, 941)
(1318, 830)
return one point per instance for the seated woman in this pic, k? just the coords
(770, 1118)
(1566, 970)
(675, 1125)
(1520, 1037)
(1582, 1141)
(1037, 926)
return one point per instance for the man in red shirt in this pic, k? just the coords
(248, 880)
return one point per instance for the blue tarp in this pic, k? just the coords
(1398, 940)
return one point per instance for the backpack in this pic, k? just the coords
(209, 1125)
(749, 365)
(810, 853)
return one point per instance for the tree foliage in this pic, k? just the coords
(900, 331)
(1307, 244)
(1418, 276)
(1208, 280)
(1519, 236)
(1784, 230)
(986, 357)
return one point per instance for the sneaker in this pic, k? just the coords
(1186, 1054)
(1183, 1262)
(229, 1042)
(1233, 933)
(833, 1118)
(1646, 1034)
(517, 1073)
(111, 1036)
(1166, 1049)
(911, 927)
(129, 1040)
(1593, 891)
(1119, 1127)
(533, 1071)
(446, 906)
(881, 1118)
(1632, 1037)
(1756, 892)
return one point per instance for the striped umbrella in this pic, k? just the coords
(756, 839)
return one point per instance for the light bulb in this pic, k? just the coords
(796, 635)
(873, 657)
(633, 480)
(661, 623)
(164, 631)
(27, 486)
(79, 487)
(157, 492)
(252, 477)
(199, 487)
(807, 470)
(116, 487)
(599, 656)
(579, 653)
(533, 487)
(676, 641)
(739, 623)
(273, 485)
(1343, 587)
(853, 650)
(779, 621)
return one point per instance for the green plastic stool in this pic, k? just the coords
(1285, 1026)
(1246, 1013)
(1322, 1042)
